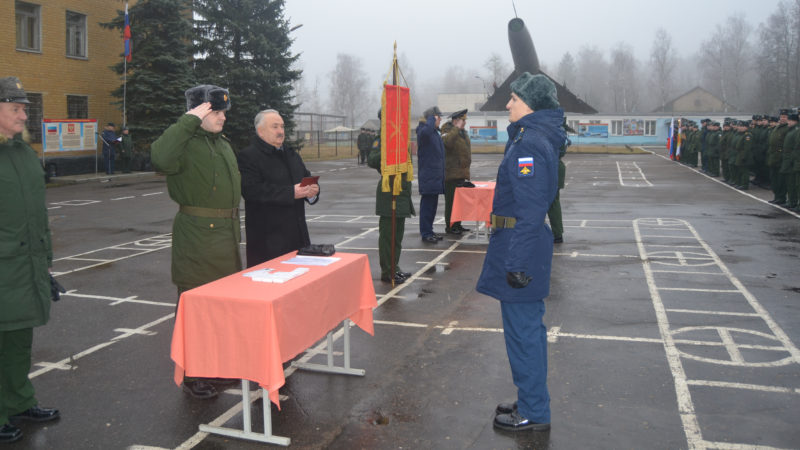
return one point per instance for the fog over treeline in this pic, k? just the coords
(754, 67)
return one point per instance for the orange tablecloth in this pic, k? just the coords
(239, 328)
(473, 204)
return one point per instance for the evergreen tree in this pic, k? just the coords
(244, 46)
(160, 70)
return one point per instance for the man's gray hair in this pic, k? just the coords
(261, 114)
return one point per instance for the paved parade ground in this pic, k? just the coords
(674, 322)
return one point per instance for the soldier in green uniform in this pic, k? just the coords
(760, 135)
(790, 152)
(775, 158)
(744, 155)
(554, 213)
(782, 168)
(126, 150)
(724, 144)
(203, 178)
(364, 142)
(383, 209)
(25, 258)
(457, 159)
(733, 148)
(713, 137)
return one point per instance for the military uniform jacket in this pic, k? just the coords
(383, 200)
(789, 149)
(430, 158)
(126, 146)
(712, 143)
(201, 171)
(744, 150)
(275, 221)
(25, 247)
(775, 145)
(457, 152)
(724, 143)
(527, 183)
(363, 142)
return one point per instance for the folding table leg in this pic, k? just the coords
(246, 431)
(331, 367)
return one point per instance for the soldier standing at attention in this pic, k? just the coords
(363, 142)
(712, 148)
(25, 256)
(775, 158)
(790, 152)
(744, 155)
(516, 269)
(203, 178)
(383, 209)
(126, 150)
(457, 159)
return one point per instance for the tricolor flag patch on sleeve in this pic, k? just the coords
(525, 167)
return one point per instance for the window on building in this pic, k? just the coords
(574, 124)
(76, 35)
(616, 128)
(491, 123)
(649, 127)
(77, 107)
(34, 111)
(28, 29)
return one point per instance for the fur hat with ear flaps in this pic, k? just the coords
(537, 91)
(219, 97)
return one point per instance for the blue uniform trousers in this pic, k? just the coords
(16, 389)
(427, 212)
(526, 344)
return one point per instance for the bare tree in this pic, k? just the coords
(349, 93)
(623, 82)
(725, 60)
(778, 61)
(592, 80)
(567, 71)
(497, 69)
(662, 65)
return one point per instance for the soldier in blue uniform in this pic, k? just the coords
(516, 269)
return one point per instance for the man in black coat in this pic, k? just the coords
(274, 200)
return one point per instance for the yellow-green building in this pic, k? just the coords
(62, 55)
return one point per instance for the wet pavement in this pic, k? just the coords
(673, 319)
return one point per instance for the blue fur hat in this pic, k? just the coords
(537, 91)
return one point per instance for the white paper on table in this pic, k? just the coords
(303, 260)
(273, 276)
(481, 184)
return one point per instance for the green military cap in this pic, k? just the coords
(11, 91)
(784, 112)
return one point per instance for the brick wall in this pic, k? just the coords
(55, 75)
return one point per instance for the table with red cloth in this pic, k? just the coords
(473, 204)
(236, 327)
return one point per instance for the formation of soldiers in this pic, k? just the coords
(766, 148)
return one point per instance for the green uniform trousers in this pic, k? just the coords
(449, 195)
(744, 176)
(778, 184)
(554, 214)
(385, 243)
(713, 166)
(791, 189)
(16, 389)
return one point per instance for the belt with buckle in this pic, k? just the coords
(229, 213)
(503, 222)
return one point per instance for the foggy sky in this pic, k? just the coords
(435, 35)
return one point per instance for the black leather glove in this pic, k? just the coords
(517, 280)
(56, 289)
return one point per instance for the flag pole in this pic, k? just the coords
(394, 195)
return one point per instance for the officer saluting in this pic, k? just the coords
(516, 269)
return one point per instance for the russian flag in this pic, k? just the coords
(126, 35)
